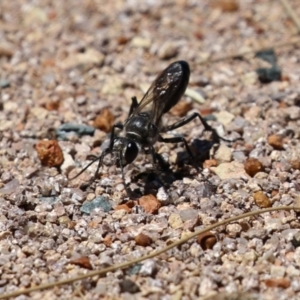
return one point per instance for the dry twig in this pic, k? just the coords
(291, 13)
(151, 255)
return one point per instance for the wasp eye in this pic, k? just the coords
(131, 152)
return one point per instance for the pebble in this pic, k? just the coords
(119, 214)
(4, 83)
(167, 50)
(6, 176)
(128, 286)
(83, 262)
(148, 268)
(6, 49)
(175, 221)
(277, 282)
(162, 196)
(112, 86)
(233, 230)
(194, 95)
(143, 240)
(188, 214)
(35, 15)
(49, 200)
(296, 239)
(80, 130)
(68, 164)
(224, 117)
(253, 113)
(293, 112)
(206, 286)
(141, 42)
(253, 166)
(228, 6)
(261, 200)
(123, 207)
(49, 153)
(150, 204)
(276, 141)
(249, 78)
(277, 271)
(223, 154)
(273, 224)
(99, 202)
(105, 120)
(39, 112)
(85, 61)
(206, 240)
(230, 170)
(255, 233)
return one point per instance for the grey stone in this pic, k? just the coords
(99, 202)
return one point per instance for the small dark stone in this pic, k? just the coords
(99, 202)
(296, 240)
(69, 128)
(268, 56)
(129, 286)
(267, 75)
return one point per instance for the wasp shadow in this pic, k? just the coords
(163, 175)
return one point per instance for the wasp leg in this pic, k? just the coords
(188, 119)
(112, 135)
(157, 159)
(100, 158)
(133, 106)
(179, 139)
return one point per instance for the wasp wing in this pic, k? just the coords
(165, 91)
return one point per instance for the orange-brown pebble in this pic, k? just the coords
(181, 108)
(49, 153)
(276, 141)
(52, 105)
(122, 40)
(205, 111)
(227, 5)
(143, 240)
(210, 163)
(126, 206)
(150, 204)
(262, 200)
(105, 120)
(253, 166)
(71, 224)
(107, 241)
(278, 282)
(295, 164)
(83, 262)
(206, 240)
(123, 206)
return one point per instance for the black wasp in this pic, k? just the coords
(144, 126)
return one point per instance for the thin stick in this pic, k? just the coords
(151, 255)
(290, 42)
(291, 13)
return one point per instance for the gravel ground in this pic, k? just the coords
(68, 72)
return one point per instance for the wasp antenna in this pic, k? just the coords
(86, 167)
